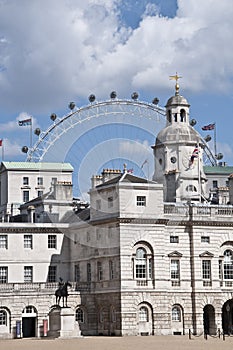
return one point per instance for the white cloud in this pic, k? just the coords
(10, 149)
(52, 52)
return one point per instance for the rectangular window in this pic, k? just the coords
(3, 274)
(40, 181)
(52, 274)
(206, 269)
(25, 181)
(98, 204)
(98, 234)
(39, 193)
(54, 180)
(25, 196)
(3, 242)
(140, 269)
(110, 202)
(175, 269)
(27, 241)
(205, 239)
(111, 270)
(99, 271)
(52, 241)
(141, 201)
(77, 273)
(174, 239)
(215, 184)
(28, 270)
(88, 272)
(206, 272)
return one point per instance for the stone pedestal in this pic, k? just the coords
(69, 328)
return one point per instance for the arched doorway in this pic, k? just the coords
(145, 320)
(227, 317)
(209, 320)
(29, 322)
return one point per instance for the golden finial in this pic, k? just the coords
(176, 78)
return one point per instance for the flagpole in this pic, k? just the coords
(31, 134)
(215, 146)
(2, 151)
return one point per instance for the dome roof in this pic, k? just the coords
(177, 100)
(177, 133)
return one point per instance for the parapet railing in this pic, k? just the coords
(207, 210)
(40, 286)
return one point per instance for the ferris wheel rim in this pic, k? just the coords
(59, 121)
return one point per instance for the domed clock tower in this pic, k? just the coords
(178, 154)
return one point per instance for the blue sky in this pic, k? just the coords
(54, 52)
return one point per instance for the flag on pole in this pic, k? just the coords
(130, 171)
(194, 155)
(25, 122)
(1, 142)
(209, 127)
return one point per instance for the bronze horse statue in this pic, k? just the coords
(62, 292)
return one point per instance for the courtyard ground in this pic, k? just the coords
(115, 343)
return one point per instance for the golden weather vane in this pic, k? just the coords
(176, 78)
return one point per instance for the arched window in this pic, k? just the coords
(176, 313)
(182, 115)
(3, 318)
(112, 314)
(143, 314)
(79, 315)
(142, 263)
(169, 117)
(228, 264)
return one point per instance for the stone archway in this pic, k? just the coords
(209, 323)
(227, 317)
(145, 321)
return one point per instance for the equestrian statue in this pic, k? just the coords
(62, 292)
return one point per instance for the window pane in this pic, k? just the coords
(99, 271)
(143, 314)
(40, 181)
(25, 180)
(140, 263)
(3, 241)
(3, 318)
(206, 269)
(88, 272)
(28, 274)
(25, 196)
(52, 241)
(176, 314)
(77, 273)
(3, 274)
(175, 269)
(228, 264)
(141, 201)
(28, 241)
(79, 315)
(52, 274)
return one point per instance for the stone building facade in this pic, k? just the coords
(145, 258)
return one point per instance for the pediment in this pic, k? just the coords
(175, 254)
(206, 254)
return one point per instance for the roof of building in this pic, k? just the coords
(218, 170)
(37, 166)
(125, 177)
